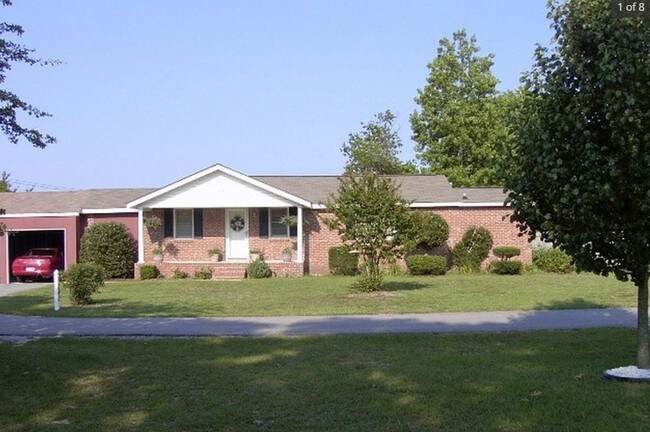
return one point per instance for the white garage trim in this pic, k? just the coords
(8, 264)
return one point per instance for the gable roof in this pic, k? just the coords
(209, 174)
(68, 202)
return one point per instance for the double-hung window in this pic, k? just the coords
(277, 228)
(270, 222)
(183, 223)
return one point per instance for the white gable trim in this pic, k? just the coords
(218, 168)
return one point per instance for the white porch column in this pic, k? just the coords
(300, 246)
(140, 236)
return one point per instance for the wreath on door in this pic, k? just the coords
(237, 223)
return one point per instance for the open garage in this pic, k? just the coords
(24, 233)
(59, 219)
(19, 242)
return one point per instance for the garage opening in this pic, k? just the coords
(22, 241)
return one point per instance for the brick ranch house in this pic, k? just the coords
(219, 207)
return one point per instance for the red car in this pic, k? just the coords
(37, 263)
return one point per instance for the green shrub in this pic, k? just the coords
(506, 267)
(258, 269)
(204, 273)
(552, 260)
(506, 252)
(180, 274)
(111, 245)
(422, 264)
(342, 262)
(428, 230)
(471, 251)
(83, 280)
(148, 271)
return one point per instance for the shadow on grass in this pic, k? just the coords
(574, 303)
(404, 286)
(528, 382)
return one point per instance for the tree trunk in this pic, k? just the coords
(643, 351)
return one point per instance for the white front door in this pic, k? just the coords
(237, 234)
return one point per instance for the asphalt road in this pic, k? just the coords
(459, 322)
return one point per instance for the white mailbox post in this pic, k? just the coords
(57, 306)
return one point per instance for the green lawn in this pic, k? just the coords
(334, 295)
(536, 381)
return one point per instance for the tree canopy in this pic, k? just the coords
(580, 171)
(11, 105)
(5, 183)
(375, 148)
(373, 220)
(461, 130)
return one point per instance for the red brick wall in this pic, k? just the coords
(318, 238)
(214, 235)
(130, 220)
(495, 219)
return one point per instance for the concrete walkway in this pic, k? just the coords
(11, 325)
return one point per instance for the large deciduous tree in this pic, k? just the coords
(461, 130)
(11, 105)
(375, 148)
(581, 171)
(373, 220)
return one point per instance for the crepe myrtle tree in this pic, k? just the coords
(580, 173)
(373, 220)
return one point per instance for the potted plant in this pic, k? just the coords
(286, 253)
(215, 254)
(256, 254)
(157, 254)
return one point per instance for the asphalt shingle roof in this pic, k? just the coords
(414, 188)
(69, 201)
(315, 189)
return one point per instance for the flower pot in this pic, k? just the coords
(286, 257)
(157, 258)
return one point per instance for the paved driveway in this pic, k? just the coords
(6, 289)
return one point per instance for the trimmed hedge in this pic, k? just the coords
(506, 267)
(506, 252)
(83, 280)
(428, 230)
(424, 264)
(111, 245)
(341, 262)
(148, 271)
(473, 249)
(552, 260)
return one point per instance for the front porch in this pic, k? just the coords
(223, 270)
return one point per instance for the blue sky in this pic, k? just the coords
(152, 91)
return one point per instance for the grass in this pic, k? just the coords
(333, 296)
(537, 381)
